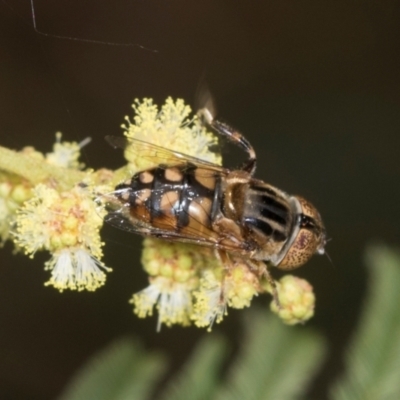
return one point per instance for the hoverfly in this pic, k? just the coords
(189, 200)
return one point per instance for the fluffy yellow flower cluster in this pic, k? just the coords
(67, 225)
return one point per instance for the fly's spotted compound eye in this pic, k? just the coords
(310, 237)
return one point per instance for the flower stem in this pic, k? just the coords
(36, 171)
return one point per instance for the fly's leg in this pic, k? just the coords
(224, 259)
(226, 262)
(262, 269)
(272, 283)
(231, 134)
(258, 267)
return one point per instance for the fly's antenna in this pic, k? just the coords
(330, 259)
(327, 255)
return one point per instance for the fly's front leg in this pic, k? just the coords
(226, 262)
(258, 267)
(224, 259)
(233, 135)
(262, 269)
(272, 283)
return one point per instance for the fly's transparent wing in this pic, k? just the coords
(124, 213)
(155, 156)
(120, 216)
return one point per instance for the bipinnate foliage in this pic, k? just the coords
(274, 361)
(373, 357)
(201, 374)
(122, 371)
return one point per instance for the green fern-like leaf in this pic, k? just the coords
(276, 362)
(123, 371)
(200, 375)
(373, 359)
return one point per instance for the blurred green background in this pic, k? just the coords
(314, 85)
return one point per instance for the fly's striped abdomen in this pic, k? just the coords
(267, 213)
(181, 198)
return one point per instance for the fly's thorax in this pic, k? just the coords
(288, 230)
(234, 197)
(268, 217)
(308, 236)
